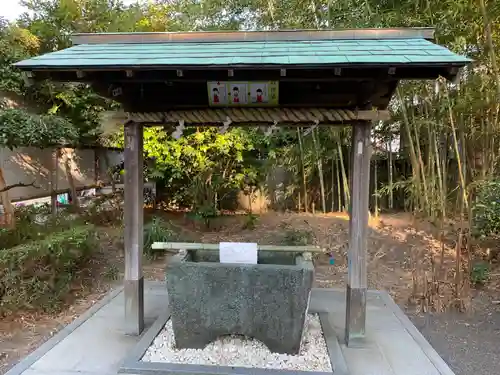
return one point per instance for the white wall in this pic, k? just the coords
(28, 165)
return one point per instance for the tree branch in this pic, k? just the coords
(20, 184)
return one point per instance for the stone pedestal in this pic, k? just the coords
(267, 301)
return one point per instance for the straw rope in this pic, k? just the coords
(256, 115)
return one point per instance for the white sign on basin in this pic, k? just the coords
(238, 252)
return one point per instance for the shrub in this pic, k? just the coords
(33, 223)
(298, 237)
(105, 210)
(486, 209)
(205, 215)
(480, 274)
(38, 274)
(250, 221)
(28, 227)
(157, 230)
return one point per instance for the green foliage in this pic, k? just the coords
(81, 106)
(250, 221)
(204, 214)
(297, 237)
(75, 102)
(480, 274)
(53, 21)
(202, 167)
(486, 209)
(19, 128)
(112, 272)
(15, 44)
(31, 224)
(105, 210)
(157, 230)
(38, 274)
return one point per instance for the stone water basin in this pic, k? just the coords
(267, 301)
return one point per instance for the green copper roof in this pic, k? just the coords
(391, 51)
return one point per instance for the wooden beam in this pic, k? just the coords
(134, 220)
(215, 247)
(162, 74)
(358, 232)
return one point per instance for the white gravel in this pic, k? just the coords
(241, 352)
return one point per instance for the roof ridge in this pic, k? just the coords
(254, 36)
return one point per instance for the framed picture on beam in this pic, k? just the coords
(243, 93)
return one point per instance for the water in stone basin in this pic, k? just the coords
(242, 352)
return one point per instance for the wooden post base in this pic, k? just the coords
(134, 306)
(355, 315)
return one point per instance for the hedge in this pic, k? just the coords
(38, 274)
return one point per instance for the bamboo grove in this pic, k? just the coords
(431, 158)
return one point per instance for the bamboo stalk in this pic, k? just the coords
(304, 185)
(319, 163)
(491, 48)
(345, 182)
(391, 178)
(339, 193)
(440, 178)
(375, 178)
(413, 154)
(426, 205)
(333, 186)
(457, 151)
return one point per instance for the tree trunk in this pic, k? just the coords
(8, 208)
(54, 177)
(110, 173)
(71, 181)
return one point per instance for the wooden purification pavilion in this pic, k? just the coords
(224, 79)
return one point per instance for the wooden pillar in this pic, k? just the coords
(358, 231)
(134, 203)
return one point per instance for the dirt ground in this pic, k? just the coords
(395, 242)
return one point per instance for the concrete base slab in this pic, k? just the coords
(96, 344)
(134, 365)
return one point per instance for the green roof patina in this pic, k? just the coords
(138, 53)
